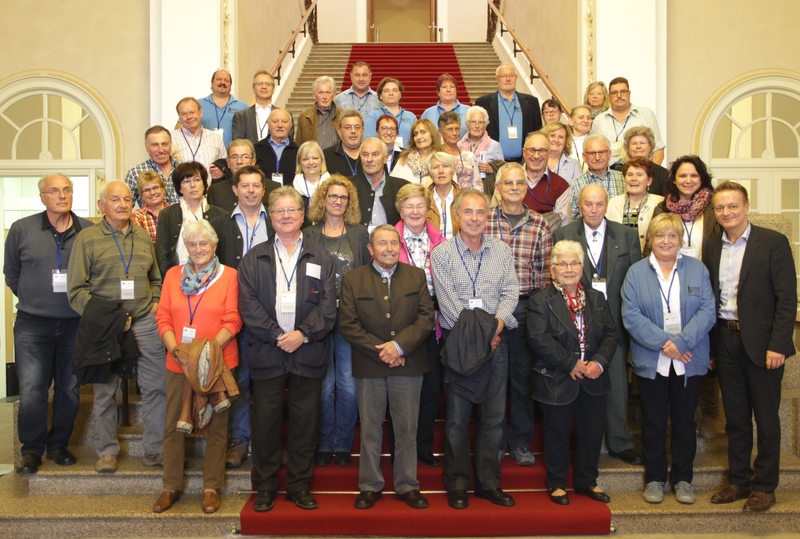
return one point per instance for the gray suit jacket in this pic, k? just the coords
(245, 124)
(620, 251)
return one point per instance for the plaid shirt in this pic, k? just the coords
(454, 266)
(612, 181)
(530, 242)
(145, 218)
(133, 175)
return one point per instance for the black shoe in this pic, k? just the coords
(303, 499)
(342, 458)
(30, 464)
(367, 499)
(264, 501)
(593, 494)
(457, 499)
(323, 458)
(62, 456)
(560, 500)
(414, 498)
(628, 456)
(496, 496)
(429, 459)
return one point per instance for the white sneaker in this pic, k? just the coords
(684, 492)
(654, 492)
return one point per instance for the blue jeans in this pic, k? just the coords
(337, 423)
(43, 348)
(489, 432)
(520, 360)
(239, 416)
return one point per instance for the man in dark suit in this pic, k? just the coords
(752, 272)
(610, 249)
(512, 115)
(389, 358)
(343, 158)
(276, 154)
(222, 194)
(251, 123)
(372, 183)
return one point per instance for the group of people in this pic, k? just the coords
(364, 261)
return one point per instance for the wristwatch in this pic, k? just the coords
(305, 338)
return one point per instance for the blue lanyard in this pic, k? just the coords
(193, 312)
(325, 241)
(469, 274)
(121, 257)
(59, 242)
(547, 201)
(622, 130)
(500, 228)
(196, 151)
(253, 235)
(353, 169)
(224, 110)
(598, 265)
(513, 108)
(290, 278)
(688, 233)
(669, 292)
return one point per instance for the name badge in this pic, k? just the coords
(188, 335)
(398, 141)
(288, 302)
(616, 147)
(221, 132)
(482, 159)
(600, 286)
(475, 303)
(512, 132)
(689, 251)
(672, 323)
(59, 280)
(313, 270)
(277, 178)
(126, 289)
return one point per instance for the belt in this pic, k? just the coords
(733, 325)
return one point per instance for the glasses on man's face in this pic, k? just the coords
(536, 151)
(512, 183)
(334, 197)
(570, 265)
(615, 93)
(149, 190)
(56, 192)
(286, 211)
(601, 153)
(243, 157)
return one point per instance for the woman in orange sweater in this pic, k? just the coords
(199, 300)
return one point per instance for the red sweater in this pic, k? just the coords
(219, 308)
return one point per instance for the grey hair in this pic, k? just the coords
(101, 195)
(566, 247)
(596, 136)
(201, 228)
(44, 178)
(325, 79)
(380, 228)
(375, 140)
(468, 192)
(475, 108)
(443, 157)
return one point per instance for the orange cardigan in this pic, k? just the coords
(218, 309)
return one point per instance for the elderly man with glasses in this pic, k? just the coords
(596, 155)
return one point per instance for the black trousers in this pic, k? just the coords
(675, 398)
(589, 411)
(749, 391)
(267, 439)
(430, 395)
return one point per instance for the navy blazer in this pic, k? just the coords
(553, 339)
(531, 114)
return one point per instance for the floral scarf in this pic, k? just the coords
(192, 281)
(581, 296)
(691, 210)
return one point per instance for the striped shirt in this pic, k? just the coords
(530, 242)
(460, 275)
(612, 181)
(204, 148)
(288, 264)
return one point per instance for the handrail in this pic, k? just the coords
(289, 48)
(536, 70)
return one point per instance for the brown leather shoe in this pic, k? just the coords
(210, 501)
(166, 500)
(730, 494)
(758, 502)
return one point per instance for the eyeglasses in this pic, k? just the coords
(615, 93)
(601, 153)
(570, 265)
(387, 129)
(419, 207)
(243, 157)
(148, 190)
(286, 211)
(333, 197)
(512, 183)
(536, 151)
(55, 191)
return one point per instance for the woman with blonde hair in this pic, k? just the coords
(596, 97)
(560, 148)
(411, 163)
(310, 172)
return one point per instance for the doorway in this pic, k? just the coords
(401, 21)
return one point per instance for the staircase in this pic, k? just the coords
(417, 66)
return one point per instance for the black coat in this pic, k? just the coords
(230, 244)
(267, 161)
(553, 339)
(531, 114)
(102, 345)
(366, 196)
(170, 220)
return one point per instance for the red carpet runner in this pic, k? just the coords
(416, 65)
(336, 488)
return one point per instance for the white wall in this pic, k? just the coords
(342, 21)
(462, 20)
(184, 53)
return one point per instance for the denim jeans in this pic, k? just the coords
(43, 348)
(337, 421)
(520, 429)
(239, 416)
